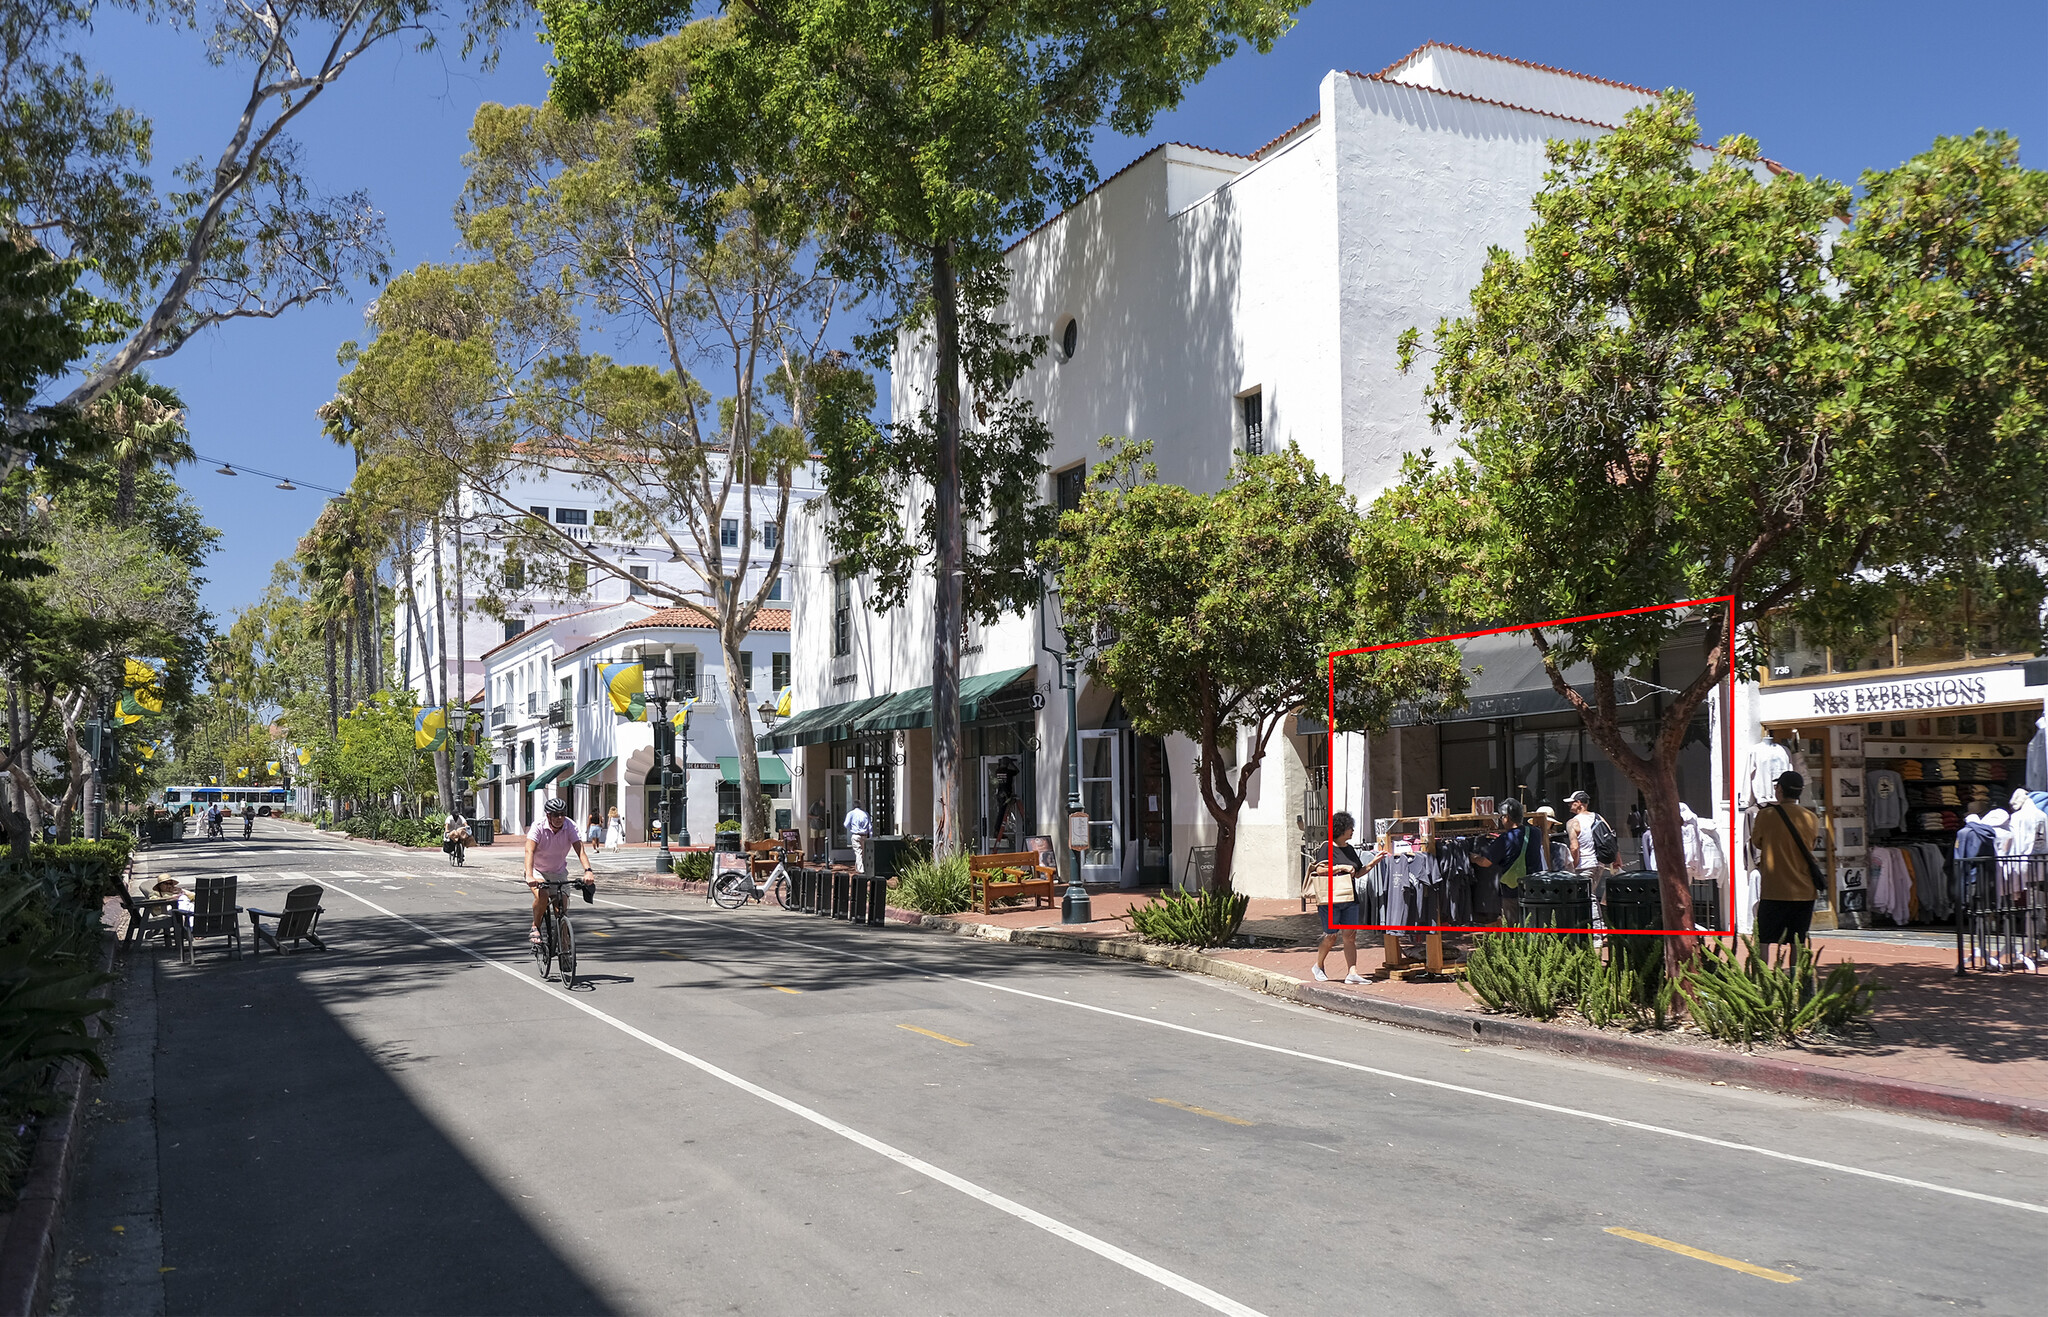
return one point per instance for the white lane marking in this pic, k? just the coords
(345, 873)
(1619, 1122)
(1152, 1271)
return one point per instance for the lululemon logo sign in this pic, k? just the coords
(1899, 696)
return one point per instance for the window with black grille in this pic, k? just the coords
(842, 613)
(1068, 485)
(1253, 406)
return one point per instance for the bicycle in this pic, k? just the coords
(731, 890)
(557, 939)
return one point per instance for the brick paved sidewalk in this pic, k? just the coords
(1983, 1033)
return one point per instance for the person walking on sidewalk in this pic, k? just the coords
(859, 827)
(614, 830)
(1592, 849)
(1348, 869)
(1783, 835)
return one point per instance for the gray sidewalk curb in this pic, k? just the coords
(28, 1234)
(1709, 1065)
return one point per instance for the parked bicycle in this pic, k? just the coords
(557, 939)
(734, 888)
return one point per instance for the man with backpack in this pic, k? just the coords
(1783, 834)
(1592, 848)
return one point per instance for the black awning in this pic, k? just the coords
(1505, 679)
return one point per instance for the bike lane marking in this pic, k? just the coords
(1441, 1085)
(1102, 1248)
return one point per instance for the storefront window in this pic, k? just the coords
(1791, 656)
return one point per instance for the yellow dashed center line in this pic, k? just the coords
(595, 933)
(929, 1034)
(1201, 1111)
(779, 988)
(1733, 1264)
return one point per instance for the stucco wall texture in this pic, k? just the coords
(1197, 276)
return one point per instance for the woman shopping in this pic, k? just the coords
(1346, 868)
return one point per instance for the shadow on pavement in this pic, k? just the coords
(298, 1177)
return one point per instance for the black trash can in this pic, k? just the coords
(1706, 903)
(484, 830)
(1557, 900)
(1634, 901)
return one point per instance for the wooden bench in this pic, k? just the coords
(985, 886)
(761, 857)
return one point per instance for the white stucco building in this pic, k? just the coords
(552, 730)
(580, 514)
(1214, 304)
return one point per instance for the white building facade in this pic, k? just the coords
(553, 732)
(578, 514)
(1213, 304)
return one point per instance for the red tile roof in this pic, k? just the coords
(690, 615)
(1284, 136)
(1509, 59)
(1479, 100)
(559, 617)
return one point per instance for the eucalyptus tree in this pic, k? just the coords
(1694, 382)
(244, 234)
(927, 136)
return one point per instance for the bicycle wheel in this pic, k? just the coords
(543, 950)
(565, 949)
(729, 890)
(782, 889)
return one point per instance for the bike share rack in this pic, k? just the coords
(858, 898)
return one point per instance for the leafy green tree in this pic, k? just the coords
(1694, 383)
(931, 134)
(1216, 614)
(144, 424)
(244, 235)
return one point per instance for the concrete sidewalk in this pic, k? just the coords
(1932, 1035)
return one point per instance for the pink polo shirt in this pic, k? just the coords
(551, 846)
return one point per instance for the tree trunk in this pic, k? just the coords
(124, 492)
(441, 777)
(460, 782)
(345, 636)
(333, 691)
(948, 785)
(377, 625)
(752, 826)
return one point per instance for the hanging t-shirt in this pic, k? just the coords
(1413, 883)
(1884, 799)
(1768, 761)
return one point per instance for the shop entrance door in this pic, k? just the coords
(838, 799)
(1101, 796)
(1152, 808)
(1003, 821)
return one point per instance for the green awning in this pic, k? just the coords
(542, 779)
(913, 708)
(774, 773)
(590, 770)
(832, 722)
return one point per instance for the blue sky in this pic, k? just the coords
(1833, 89)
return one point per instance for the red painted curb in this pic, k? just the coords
(1729, 1067)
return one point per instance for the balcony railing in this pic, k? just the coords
(558, 714)
(499, 717)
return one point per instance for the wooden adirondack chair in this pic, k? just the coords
(214, 914)
(149, 915)
(298, 920)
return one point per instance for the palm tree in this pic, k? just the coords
(144, 423)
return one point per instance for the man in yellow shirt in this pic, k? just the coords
(1783, 835)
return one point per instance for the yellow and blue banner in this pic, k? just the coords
(782, 701)
(626, 685)
(305, 757)
(272, 767)
(241, 773)
(430, 729)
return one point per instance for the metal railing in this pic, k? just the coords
(2001, 912)
(500, 716)
(558, 713)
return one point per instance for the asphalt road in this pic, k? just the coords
(759, 1111)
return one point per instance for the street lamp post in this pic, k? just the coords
(458, 723)
(660, 682)
(1074, 906)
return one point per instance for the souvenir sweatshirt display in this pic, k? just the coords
(1894, 794)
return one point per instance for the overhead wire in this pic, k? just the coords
(229, 468)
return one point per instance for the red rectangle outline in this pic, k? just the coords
(1727, 719)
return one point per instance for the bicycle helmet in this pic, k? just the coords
(555, 807)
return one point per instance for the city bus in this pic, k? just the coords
(188, 799)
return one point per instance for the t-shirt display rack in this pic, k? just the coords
(1424, 831)
(1945, 762)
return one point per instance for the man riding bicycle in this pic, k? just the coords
(548, 843)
